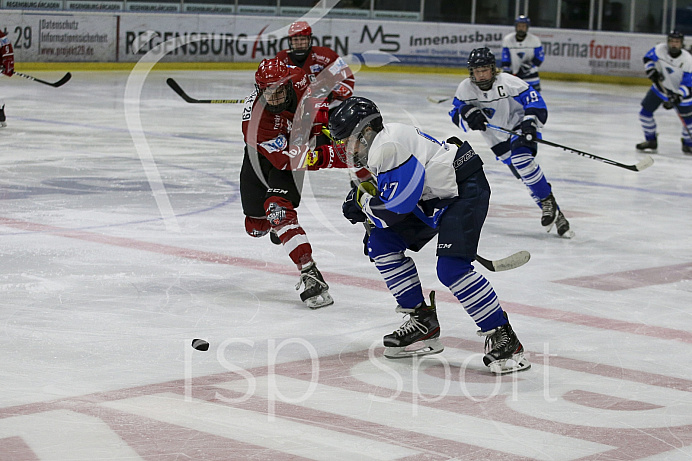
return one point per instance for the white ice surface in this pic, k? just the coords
(104, 283)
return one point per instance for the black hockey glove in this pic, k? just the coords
(475, 119)
(351, 208)
(673, 100)
(653, 75)
(528, 129)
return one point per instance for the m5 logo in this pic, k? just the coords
(385, 39)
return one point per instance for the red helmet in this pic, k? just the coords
(299, 28)
(271, 72)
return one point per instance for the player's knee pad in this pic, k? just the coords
(451, 269)
(523, 161)
(645, 113)
(256, 227)
(280, 212)
(521, 144)
(686, 113)
(385, 242)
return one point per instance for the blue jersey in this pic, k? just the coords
(415, 173)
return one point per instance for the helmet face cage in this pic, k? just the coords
(272, 82)
(675, 43)
(300, 38)
(522, 30)
(482, 57)
(347, 125)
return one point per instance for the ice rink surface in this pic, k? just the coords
(121, 242)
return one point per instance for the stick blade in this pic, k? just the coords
(644, 164)
(518, 259)
(65, 78)
(175, 87)
(437, 100)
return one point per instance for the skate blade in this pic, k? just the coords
(321, 300)
(427, 347)
(549, 227)
(516, 363)
(567, 235)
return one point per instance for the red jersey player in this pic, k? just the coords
(276, 157)
(313, 59)
(7, 58)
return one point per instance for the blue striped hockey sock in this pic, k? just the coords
(478, 298)
(401, 277)
(531, 173)
(648, 123)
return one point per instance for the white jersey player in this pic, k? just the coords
(491, 98)
(522, 53)
(425, 188)
(669, 66)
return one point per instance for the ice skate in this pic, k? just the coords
(686, 148)
(563, 229)
(3, 119)
(549, 212)
(419, 335)
(650, 145)
(504, 352)
(316, 293)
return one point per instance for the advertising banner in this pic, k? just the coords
(127, 37)
(58, 37)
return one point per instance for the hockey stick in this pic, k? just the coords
(175, 87)
(437, 101)
(65, 78)
(518, 259)
(644, 164)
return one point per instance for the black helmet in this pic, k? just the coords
(482, 57)
(675, 35)
(351, 118)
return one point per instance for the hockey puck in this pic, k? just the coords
(200, 345)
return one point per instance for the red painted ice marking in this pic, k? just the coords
(153, 439)
(14, 448)
(606, 402)
(628, 280)
(343, 279)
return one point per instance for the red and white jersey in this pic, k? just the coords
(319, 58)
(269, 133)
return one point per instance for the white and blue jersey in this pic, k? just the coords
(507, 103)
(522, 57)
(676, 73)
(415, 174)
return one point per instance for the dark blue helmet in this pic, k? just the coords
(482, 57)
(522, 20)
(521, 34)
(676, 50)
(351, 118)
